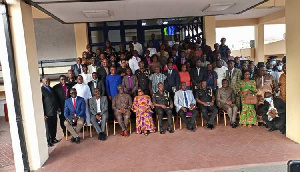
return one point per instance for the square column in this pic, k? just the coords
(28, 81)
(259, 43)
(210, 30)
(292, 66)
(81, 37)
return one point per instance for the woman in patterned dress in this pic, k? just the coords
(142, 107)
(245, 87)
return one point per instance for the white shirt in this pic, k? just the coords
(92, 69)
(152, 51)
(134, 64)
(86, 77)
(83, 91)
(138, 47)
(221, 72)
(95, 83)
(98, 105)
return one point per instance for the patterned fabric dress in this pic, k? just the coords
(282, 82)
(144, 121)
(248, 113)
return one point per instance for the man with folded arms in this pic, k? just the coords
(121, 104)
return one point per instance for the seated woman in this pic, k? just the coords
(185, 77)
(154, 63)
(170, 60)
(142, 107)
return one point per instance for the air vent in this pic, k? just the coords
(217, 7)
(97, 13)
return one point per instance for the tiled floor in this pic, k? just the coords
(6, 152)
(183, 150)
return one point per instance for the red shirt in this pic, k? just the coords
(185, 77)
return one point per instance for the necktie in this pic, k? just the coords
(129, 82)
(79, 69)
(262, 81)
(182, 61)
(186, 100)
(95, 83)
(74, 103)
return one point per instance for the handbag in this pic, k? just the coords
(251, 99)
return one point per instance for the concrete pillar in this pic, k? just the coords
(210, 30)
(81, 38)
(259, 43)
(26, 64)
(292, 54)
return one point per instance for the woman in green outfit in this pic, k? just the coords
(245, 87)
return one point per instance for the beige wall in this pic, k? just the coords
(210, 30)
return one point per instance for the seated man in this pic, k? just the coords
(226, 101)
(74, 113)
(121, 104)
(99, 113)
(205, 99)
(163, 104)
(273, 112)
(185, 102)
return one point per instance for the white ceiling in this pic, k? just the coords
(253, 13)
(71, 12)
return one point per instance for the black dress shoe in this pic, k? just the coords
(170, 130)
(233, 125)
(77, 140)
(50, 144)
(103, 136)
(73, 140)
(55, 141)
(271, 129)
(162, 132)
(99, 136)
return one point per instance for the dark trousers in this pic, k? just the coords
(184, 118)
(51, 128)
(62, 120)
(277, 123)
(209, 118)
(160, 112)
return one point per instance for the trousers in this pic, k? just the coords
(160, 113)
(231, 111)
(209, 118)
(74, 132)
(123, 123)
(99, 127)
(51, 128)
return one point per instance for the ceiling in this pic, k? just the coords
(72, 11)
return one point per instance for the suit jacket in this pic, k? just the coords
(76, 71)
(100, 85)
(90, 68)
(79, 110)
(279, 104)
(198, 78)
(224, 95)
(134, 83)
(178, 62)
(235, 78)
(173, 80)
(49, 102)
(103, 105)
(179, 99)
(102, 74)
(60, 95)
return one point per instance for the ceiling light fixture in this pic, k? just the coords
(165, 22)
(217, 7)
(97, 13)
(144, 24)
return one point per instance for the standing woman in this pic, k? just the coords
(185, 77)
(154, 63)
(142, 107)
(247, 87)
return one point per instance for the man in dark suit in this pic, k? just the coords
(74, 114)
(182, 60)
(99, 113)
(103, 71)
(173, 79)
(96, 83)
(71, 80)
(273, 112)
(198, 74)
(62, 92)
(77, 68)
(50, 111)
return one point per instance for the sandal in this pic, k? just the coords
(250, 126)
(245, 125)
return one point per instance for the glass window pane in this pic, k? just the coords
(129, 33)
(148, 34)
(97, 36)
(113, 23)
(114, 36)
(131, 22)
(96, 24)
(117, 48)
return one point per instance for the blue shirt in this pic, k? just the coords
(156, 44)
(112, 83)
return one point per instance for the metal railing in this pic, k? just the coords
(55, 63)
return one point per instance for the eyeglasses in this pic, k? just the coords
(73, 93)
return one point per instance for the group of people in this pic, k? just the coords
(187, 79)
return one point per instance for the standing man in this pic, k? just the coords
(96, 83)
(62, 91)
(112, 82)
(134, 62)
(74, 114)
(93, 66)
(182, 60)
(137, 46)
(50, 111)
(173, 79)
(233, 76)
(221, 72)
(156, 78)
(83, 90)
(71, 81)
(103, 71)
(121, 104)
(130, 83)
(155, 43)
(142, 75)
(77, 68)
(185, 102)
(223, 49)
(163, 105)
(226, 100)
(198, 74)
(99, 113)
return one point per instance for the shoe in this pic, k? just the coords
(271, 129)
(170, 130)
(162, 132)
(233, 125)
(103, 136)
(55, 141)
(50, 144)
(193, 129)
(126, 134)
(99, 137)
(122, 133)
(73, 140)
(210, 126)
(77, 140)
(207, 125)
